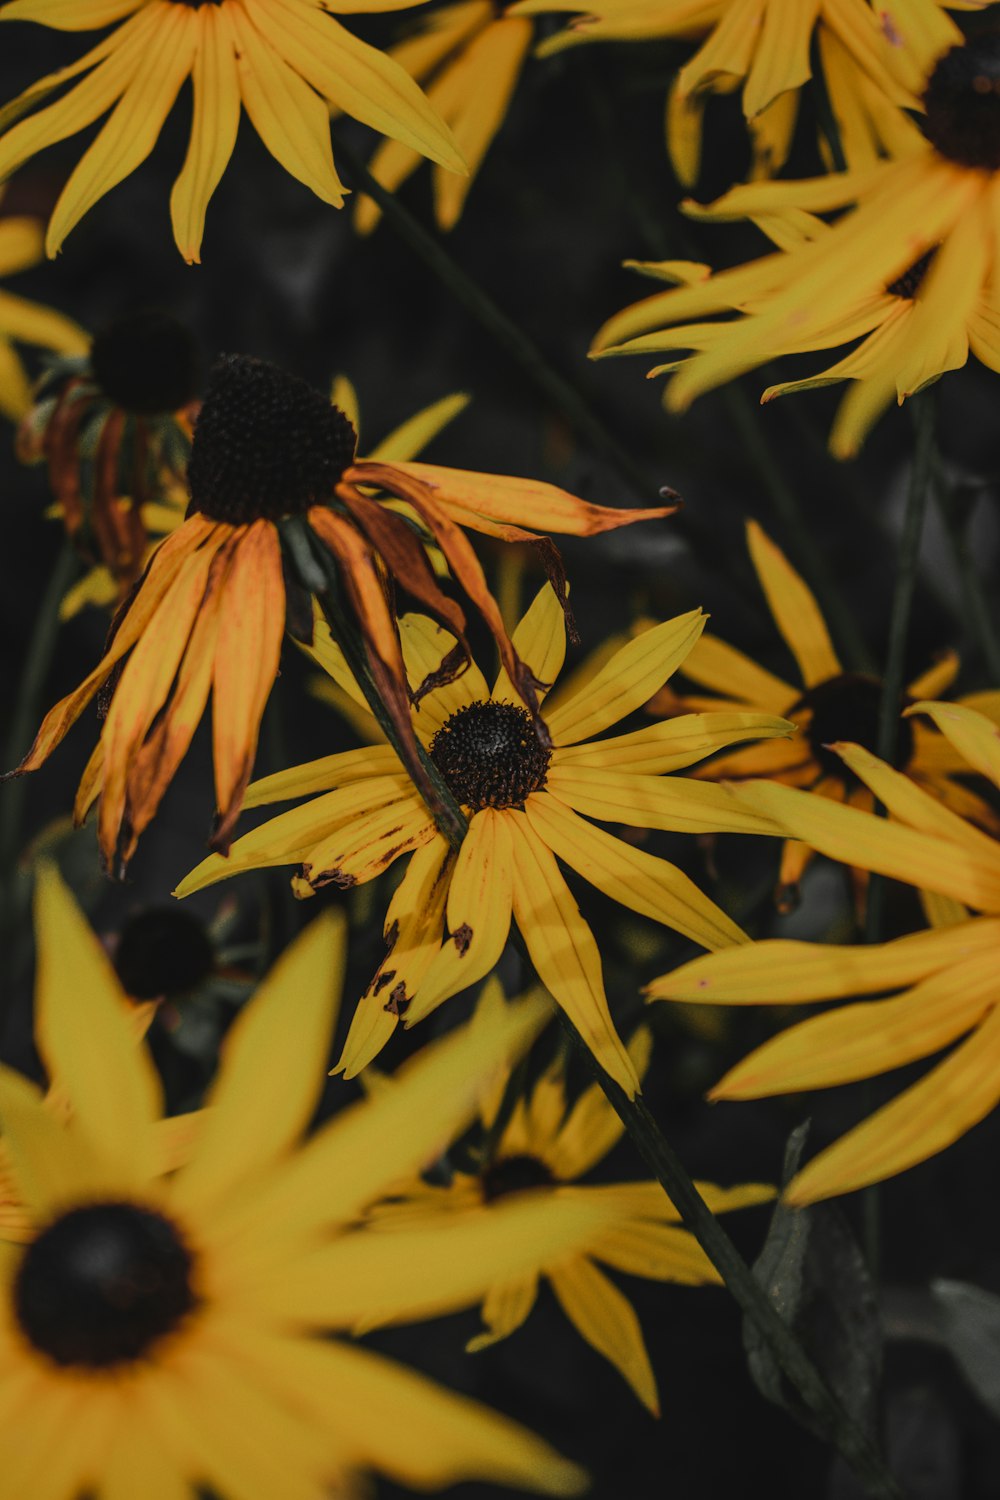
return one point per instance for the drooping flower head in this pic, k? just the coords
(169, 1316)
(547, 1143)
(209, 613)
(114, 427)
(24, 322)
(828, 705)
(911, 269)
(941, 987)
(284, 62)
(449, 919)
(469, 56)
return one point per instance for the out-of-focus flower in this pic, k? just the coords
(24, 322)
(946, 981)
(283, 61)
(165, 1322)
(909, 270)
(874, 59)
(469, 57)
(208, 614)
(114, 427)
(544, 1147)
(449, 919)
(828, 706)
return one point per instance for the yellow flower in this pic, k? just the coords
(209, 612)
(449, 919)
(114, 428)
(469, 56)
(910, 269)
(283, 61)
(543, 1148)
(168, 1326)
(946, 982)
(24, 322)
(874, 61)
(828, 705)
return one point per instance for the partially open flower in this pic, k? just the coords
(208, 614)
(114, 427)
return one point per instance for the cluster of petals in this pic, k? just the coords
(24, 322)
(449, 918)
(942, 984)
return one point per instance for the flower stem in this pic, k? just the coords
(850, 1440)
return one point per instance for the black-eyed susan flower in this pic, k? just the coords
(24, 322)
(114, 428)
(469, 57)
(172, 1326)
(547, 1144)
(828, 705)
(208, 614)
(449, 919)
(910, 269)
(874, 59)
(942, 987)
(283, 61)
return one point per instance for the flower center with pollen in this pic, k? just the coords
(514, 1174)
(266, 444)
(147, 363)
(847, 708)
(162, 951)
(490, 756)
(102, 1284)
(962, 101)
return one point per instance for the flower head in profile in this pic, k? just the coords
(24, 322)
(908, 269)
(528, 807)
(284, 62)
(208, 614)
(114, 428)
(873, 61)
(165, 1319)
(828, 706)
(941, 987)
(545, 1146)
(469, 56)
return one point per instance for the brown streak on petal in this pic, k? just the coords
(380, 983)
(398, 1002)
(462, 937)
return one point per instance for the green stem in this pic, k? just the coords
(843, 1432)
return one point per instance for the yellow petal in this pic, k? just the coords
(676, 804)
(505, 1307)
(795, 611)
(214, 125)
(674, 743)
(540, 642)
(718, 666)
(607, 1320)
(412, 436)
(658, 1251)
(975, 736)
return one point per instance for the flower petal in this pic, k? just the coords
(677, 804)
(505, 1307)
(607, 1320)
(795, 611)
(540, 642)
(675, 743)
(975, 736)
(214, 126)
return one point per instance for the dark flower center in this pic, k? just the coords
(147, 363)
(908, 284)
(102, 1284)
(162, 951)
(514, 1174)
(489, 755)
(266, 444)
(847, 708)
(962, 101)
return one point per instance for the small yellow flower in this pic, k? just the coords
(943, 985)
(909, 269)
(544, 1147)
(24, 322)
(449, 919)
(170, 1320)
(469, 57)
(827, 705)
(283, 61)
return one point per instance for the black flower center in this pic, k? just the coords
(909, 283)
(162, 951)
(147, 363)
(102, 1284)
(489, 755)
(847, 708)
(514, 1174)
(266, 444)
(962, 101)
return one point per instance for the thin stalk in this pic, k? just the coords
(843, 1432)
